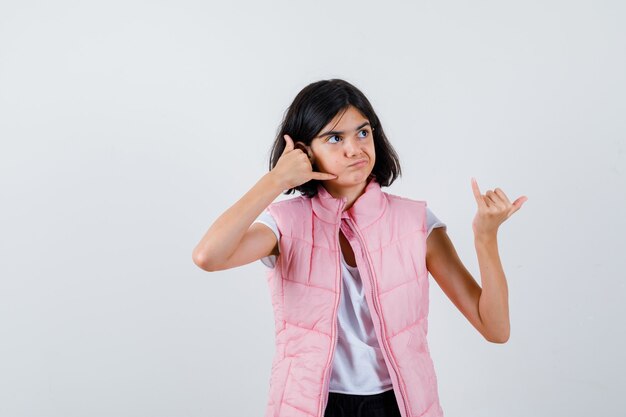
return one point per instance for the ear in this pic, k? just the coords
(306, 149)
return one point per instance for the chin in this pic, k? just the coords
(355, 180)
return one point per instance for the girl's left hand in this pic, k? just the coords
(493, 209)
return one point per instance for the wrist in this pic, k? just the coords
(486, 238)
(274, 182)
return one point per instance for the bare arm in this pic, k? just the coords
(485, 308)
(444, 264)
(494, 298)
(227, 232)
(232, 240)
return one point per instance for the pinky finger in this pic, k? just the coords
(322, 176)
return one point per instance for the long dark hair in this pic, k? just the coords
(313, 108)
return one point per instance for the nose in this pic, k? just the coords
(352, 146)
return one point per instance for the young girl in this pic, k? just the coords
(348, 264)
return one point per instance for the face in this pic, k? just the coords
(345, 140)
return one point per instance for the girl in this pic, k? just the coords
(348, 264)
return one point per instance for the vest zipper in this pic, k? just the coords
(403, 395)
(325, 387)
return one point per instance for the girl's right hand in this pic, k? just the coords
(294, 167)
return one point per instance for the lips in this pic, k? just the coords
(358, 162)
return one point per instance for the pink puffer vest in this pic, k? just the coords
(388, 237)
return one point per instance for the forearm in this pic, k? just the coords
(493, 305)
(224, 235)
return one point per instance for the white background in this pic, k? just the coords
(128, 127)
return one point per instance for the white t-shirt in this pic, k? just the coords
(358, 364)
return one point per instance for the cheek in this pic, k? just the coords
(372, 153)
(331, 165)
(325, 161)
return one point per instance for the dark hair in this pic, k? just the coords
(313, 108)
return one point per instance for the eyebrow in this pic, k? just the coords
(337, 132)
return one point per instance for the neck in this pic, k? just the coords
(351, 193)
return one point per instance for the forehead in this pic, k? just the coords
(348, 119)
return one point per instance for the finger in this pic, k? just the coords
(492, 198)
(479, 198)
(303, 148)
(502, 196)
(322, 176)
(519, 202)
(288, 144)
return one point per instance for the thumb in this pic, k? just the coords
(288, 144)
(518, 203)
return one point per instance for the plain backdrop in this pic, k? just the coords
(128, 127)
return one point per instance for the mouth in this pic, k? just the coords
(358, 163)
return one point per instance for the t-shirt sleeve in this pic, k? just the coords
(267, 219)
(432, 221)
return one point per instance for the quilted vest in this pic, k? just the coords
(388, 236)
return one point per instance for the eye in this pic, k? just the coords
(365, 131)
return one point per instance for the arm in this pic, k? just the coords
(232, 240)
(444, 264)
(486, 308)
(493, 304)
(227, 233)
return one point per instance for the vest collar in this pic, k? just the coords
(366, 209)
